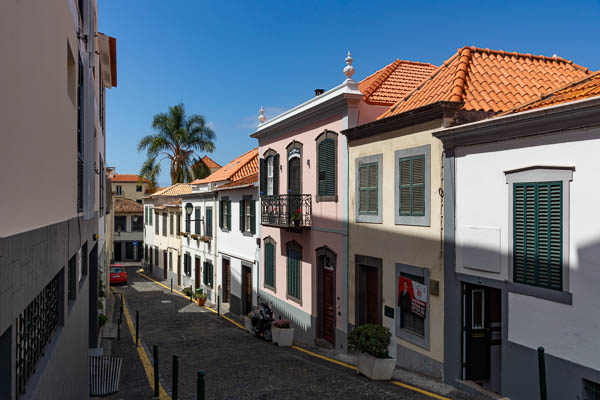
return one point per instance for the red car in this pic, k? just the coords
(117, 274)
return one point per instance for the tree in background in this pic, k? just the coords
(199, 168)
(177, 137)
(149, 174)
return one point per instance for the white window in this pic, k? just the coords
(119, 190)
(270, 176)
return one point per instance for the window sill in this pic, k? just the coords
(271, 288)
(413, 338)
(248, 233)
(369, 218)
(295, 300)
(541, 293)
(410, 220)
(323, 199)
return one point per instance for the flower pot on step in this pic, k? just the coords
(378, 369)
(283, 337)
(201, 302)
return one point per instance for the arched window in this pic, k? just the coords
(294, 154)
(269, 173)
(327, 166)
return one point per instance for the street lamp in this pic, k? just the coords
(189, 207)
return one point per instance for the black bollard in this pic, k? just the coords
(137, 327)
(542, 372)
(121, 305)
(175, 382)
(218, 305)
(156, 393)
(171, 285)
(200, 386)
(191, 295)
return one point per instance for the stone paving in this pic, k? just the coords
(237, 365)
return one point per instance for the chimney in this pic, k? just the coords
(319, 92)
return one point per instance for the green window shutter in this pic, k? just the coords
(537, 234)
(327, 167)
(196, 222)
(208, 222)
(276, 174)
(229, 215)
(221, 210)
(363, 188)
(373, 188)
(270, 264)
(253, 217)
(412, 186)
(242, 212)
(293, 262)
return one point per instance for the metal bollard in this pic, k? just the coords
(156, 392)
(171, 285)
(200, 386)
(218, 305)
(191, 295)
(121, 305)
(542, 372)
(175, 383)
(137, 327)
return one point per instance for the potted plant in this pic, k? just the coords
(283, 333)
(200, 297)
(372, 341)
(248, 322)
(296, 217)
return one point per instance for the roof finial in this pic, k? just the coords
(349, 69)
(262, 117)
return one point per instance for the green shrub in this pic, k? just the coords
(187, 291)
(370, 338)
(199, 294)
(102, 320)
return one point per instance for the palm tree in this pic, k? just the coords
(149, 173)
(177, 138)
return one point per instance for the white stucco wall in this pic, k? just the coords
(566, 331)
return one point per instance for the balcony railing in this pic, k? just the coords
(287, 210)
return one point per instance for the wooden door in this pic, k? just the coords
(197, 280)
(246, 290)
(372, 295)
(477, 331)
(118, 251)
(165, 265)
(328, 309)
(179, 270)
(226, 280)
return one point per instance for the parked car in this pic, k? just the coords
(117, 274)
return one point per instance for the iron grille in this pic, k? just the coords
(286, 210)
(34, 330)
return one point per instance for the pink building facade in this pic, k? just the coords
(304, 211)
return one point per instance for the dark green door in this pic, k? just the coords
(476, 309)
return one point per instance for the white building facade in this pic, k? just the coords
(521, 207)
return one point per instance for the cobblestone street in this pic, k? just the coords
(237, 365)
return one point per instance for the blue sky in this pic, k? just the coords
(224, 60)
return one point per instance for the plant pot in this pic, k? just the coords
(201, 302)
(377, 369)
(283, 337)
(248, 324)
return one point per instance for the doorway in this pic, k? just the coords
(226, 279)
(118, 251)
(326, 300)
(246, 289)
(129, 250)
(368, 303)
(294, 182)
(165, 265)
(197, 280)
(482, 336)
(178, 270)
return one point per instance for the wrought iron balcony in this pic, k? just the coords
(286, 210)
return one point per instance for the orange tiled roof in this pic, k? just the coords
(174, 190)
(125, 205)
(490, 80)
(577, 90)
(392, 83)
(210, 163)
(245, 181)
(125, 178)
(238, 168)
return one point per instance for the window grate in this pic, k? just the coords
(34, 330)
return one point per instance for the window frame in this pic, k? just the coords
(327, 134)
(270, 241)
(377, 217)
(415, 220)
(541, 174)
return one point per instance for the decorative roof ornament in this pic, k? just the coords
(349, 69)
(262, 117)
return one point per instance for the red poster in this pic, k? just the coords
(412, 296)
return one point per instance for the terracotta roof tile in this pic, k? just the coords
(210, 163)
(473, 76)
(243, 182)
(125, 205)
(174, 190)
(125, 178)
(238, 168)
(396, 80)
(579, 89)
